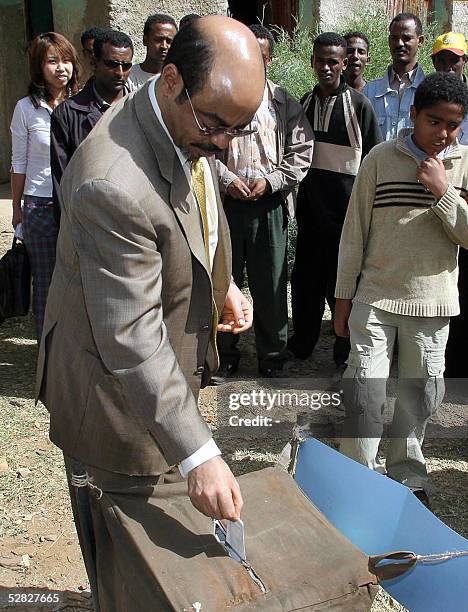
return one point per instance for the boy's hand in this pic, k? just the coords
(431, 173)
(342, 312)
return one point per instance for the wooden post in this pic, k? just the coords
(440, 12)
(309, 15)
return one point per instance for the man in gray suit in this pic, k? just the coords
(143, 269)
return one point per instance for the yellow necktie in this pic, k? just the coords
(198, 182)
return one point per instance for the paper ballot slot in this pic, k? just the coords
(233, 542)
(235, 537)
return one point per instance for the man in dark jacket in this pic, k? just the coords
(345, 129)
(74, 119)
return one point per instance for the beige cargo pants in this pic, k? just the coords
(420, 388)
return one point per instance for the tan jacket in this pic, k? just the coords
(128, 335)
(295, 146)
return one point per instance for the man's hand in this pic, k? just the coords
(238, 189)
(431, 173)
(214, 491)
(259, 188)
(342, 312)
(237, 313)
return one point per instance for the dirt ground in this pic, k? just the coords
(38, 543)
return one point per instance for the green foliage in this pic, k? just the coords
(291, 66)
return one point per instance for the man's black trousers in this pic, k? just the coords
(313, 281)
(259, 236)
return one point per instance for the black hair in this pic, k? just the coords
(187, 19)
(441, 87)
(407, 17)
(114, 38)
(330, 39)
(193, 57)
(91, 34)
(350, 35)
(157, 18)
(261, 31)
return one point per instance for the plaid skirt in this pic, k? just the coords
(40, 233)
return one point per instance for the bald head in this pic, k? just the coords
(236, 54)
(218, 62)
(219, 51)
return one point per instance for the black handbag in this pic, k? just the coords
(15, 282)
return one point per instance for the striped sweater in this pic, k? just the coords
(399, 246)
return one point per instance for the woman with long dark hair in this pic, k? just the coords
(55, 73)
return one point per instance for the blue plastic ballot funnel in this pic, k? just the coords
(380, 515)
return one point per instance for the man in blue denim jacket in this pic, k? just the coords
(393, 94)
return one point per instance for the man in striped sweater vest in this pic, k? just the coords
(345, 129)
(397, 278)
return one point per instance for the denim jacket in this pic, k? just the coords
(392, 114)
(463, 136)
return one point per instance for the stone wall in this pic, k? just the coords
(333, 14)
(460, 17)
(14, 74)
(130, 16)
(71, 18)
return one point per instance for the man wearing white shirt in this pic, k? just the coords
(141, 285)
(158, 33)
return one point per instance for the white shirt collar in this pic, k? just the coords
(154, 102)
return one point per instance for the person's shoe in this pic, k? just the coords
(421, 494)
(225, 371)
(270, 372)
(296, 352)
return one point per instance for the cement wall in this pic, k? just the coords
(130, 16)
(460, 17)
(72, 18)
(333, 15)
(14, 73)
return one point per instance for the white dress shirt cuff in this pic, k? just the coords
(204, 453)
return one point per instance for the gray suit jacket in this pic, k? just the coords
(128, 335)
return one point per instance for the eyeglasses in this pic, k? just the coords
(110, 63)
(212, 131)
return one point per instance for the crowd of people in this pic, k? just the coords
(376, 174)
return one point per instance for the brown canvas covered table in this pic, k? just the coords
(154, 551)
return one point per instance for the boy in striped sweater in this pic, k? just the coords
(397, 278)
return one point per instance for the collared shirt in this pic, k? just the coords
(30, 132)
(138, 77)
(211, 203)
(100, 100)
(421, 155)
(391, 106)
(400, 83)
(209, 449)
(255, 155)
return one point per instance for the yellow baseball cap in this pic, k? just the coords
(450, 41)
